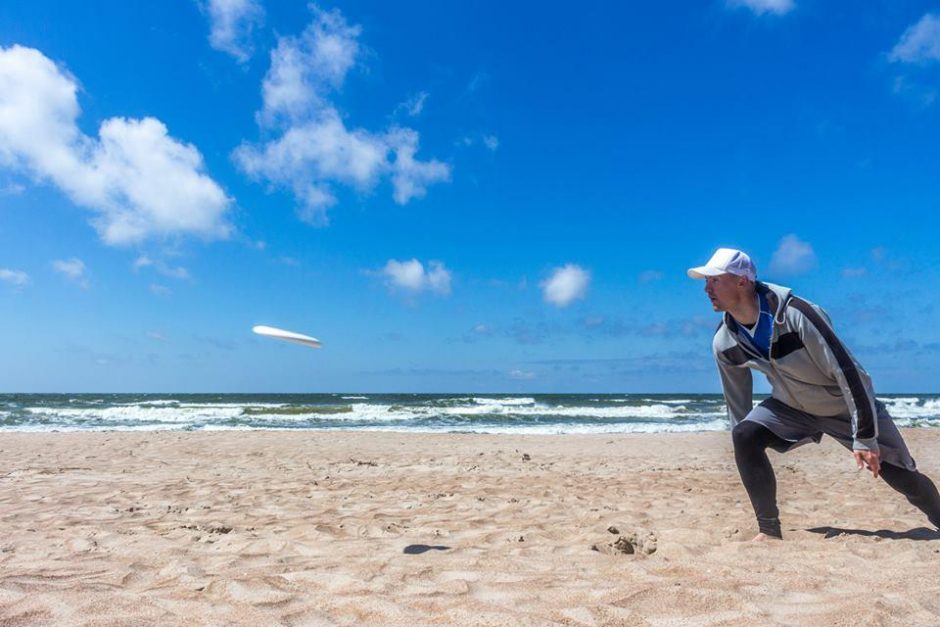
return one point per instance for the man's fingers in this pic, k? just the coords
(868, 459)
(858, 459)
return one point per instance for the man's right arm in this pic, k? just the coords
(737, 384)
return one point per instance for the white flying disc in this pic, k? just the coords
(287, 336)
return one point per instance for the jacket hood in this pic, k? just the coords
(777, 297)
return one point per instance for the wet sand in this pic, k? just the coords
(308, 528)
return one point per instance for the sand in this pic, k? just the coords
(265, 528)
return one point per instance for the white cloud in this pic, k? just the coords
(920, 43)
(852, 273)
(411, 276)
(491, 142)
(410, 177)
(74, 269)
(305, 69)
(476, 81)
(139, 181)
(142, 262)
(919, 94)
(760, 7)
(160, 290)
(414, 105)
(178, 272)
(566, 285)
(793, 256)
(315, 148)
(16, 278)
(231, 23)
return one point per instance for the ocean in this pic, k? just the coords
(476, 413)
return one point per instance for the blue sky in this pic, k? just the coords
(456, 196)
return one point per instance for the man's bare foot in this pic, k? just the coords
(763, 537)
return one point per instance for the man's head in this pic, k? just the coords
(729, 278)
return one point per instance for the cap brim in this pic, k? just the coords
(704, 271)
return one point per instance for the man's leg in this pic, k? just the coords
(750, 453)
(919, 490)
(897, 466)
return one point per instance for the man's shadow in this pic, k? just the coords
(918, 533)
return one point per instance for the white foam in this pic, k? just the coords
(508, 402)
(641, 411)
(131, 414)
(913, 408)
(155, 402)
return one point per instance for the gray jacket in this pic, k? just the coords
(809, 369)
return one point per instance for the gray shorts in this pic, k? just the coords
(800, 428)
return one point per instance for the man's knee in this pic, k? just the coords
(746, 434)
(751, 435)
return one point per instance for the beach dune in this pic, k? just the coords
(321, 528)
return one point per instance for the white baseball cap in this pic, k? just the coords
(726, 261)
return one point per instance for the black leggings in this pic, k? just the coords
(751, 441)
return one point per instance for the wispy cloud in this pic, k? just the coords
(666, 362)
(917, 48)
(315, 149)
(138, 180)
(12, 189)
(414, 105)
(74, 270)
(793, 256)
(173, 272)
(566, 284)
(411, 276)
(762, 7)
(616, 327)
(476, 81)
(489, 141)
(920, 43)
(231, 23)
(16, 278)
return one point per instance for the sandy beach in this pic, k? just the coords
(321, 528)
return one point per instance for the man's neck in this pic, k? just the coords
(747, 311)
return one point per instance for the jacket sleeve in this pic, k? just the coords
(834, 360)
(737, 387)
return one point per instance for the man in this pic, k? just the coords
(817, 388)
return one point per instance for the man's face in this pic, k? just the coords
(723, 290)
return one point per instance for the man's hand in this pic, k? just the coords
(868, 459)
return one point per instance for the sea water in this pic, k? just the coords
(477, 413)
